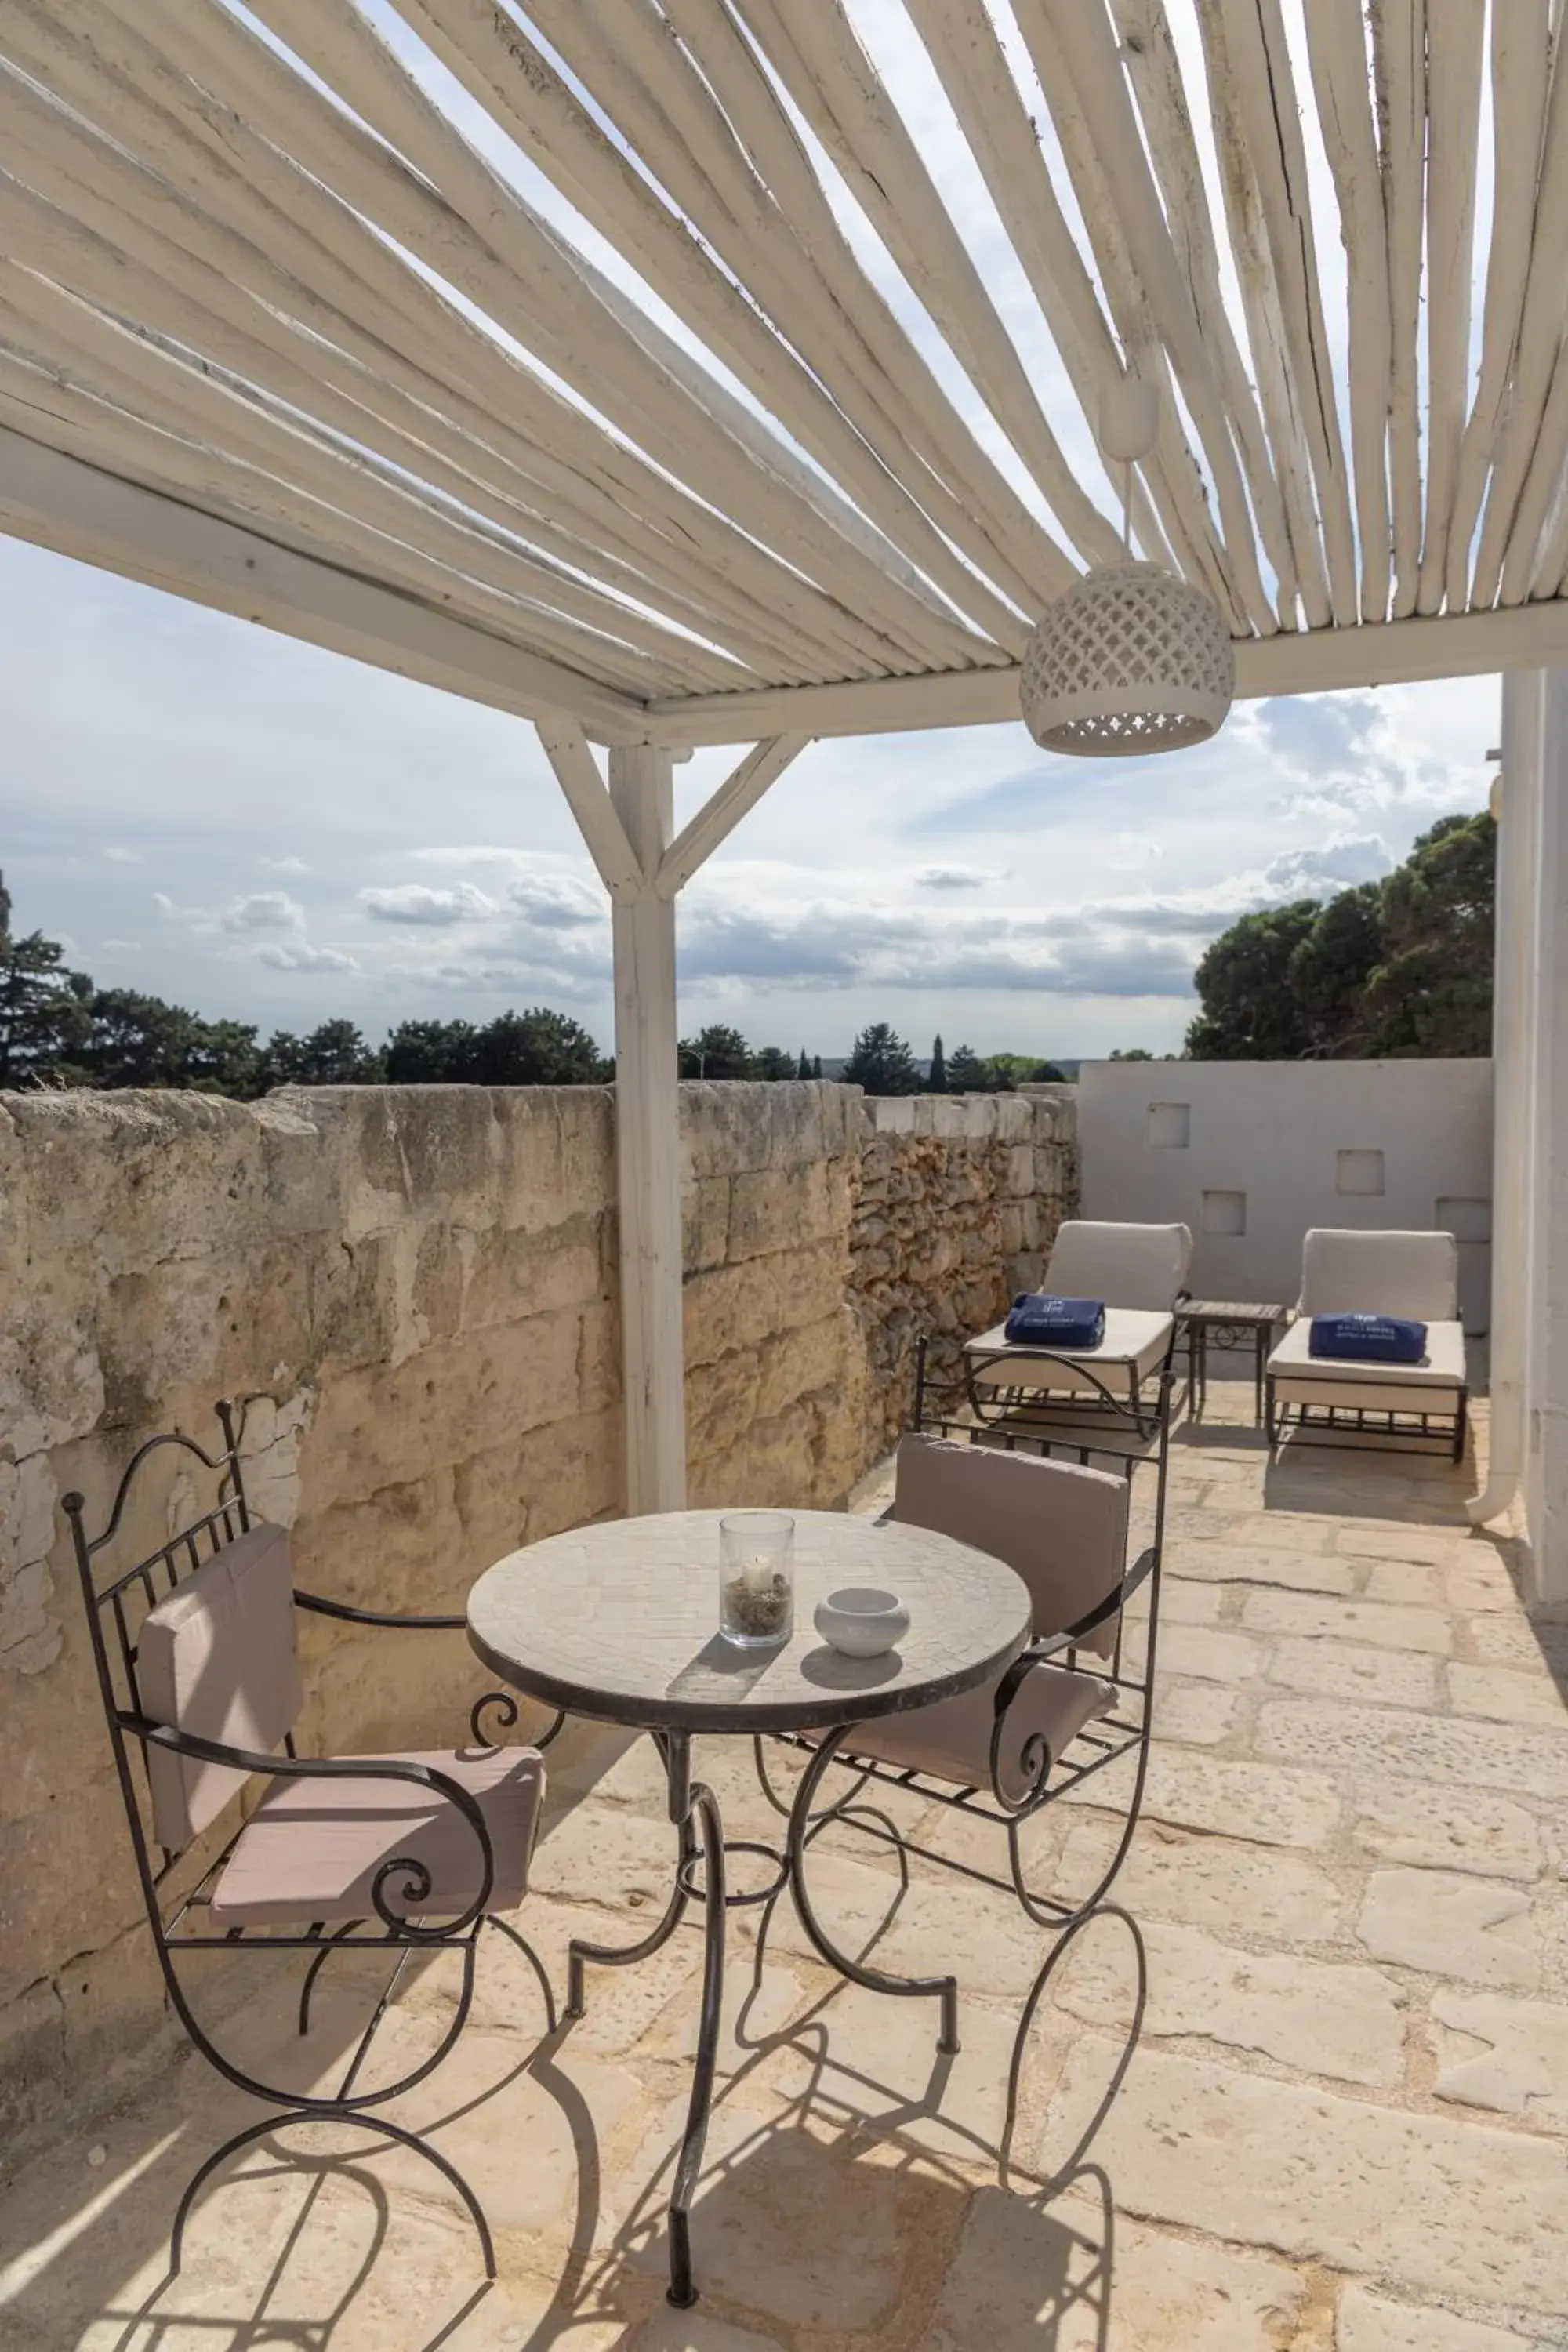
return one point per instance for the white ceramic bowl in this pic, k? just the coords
(861, 1620)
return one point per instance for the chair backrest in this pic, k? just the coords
(192, 1671)
(1062, 1528)
(218, 1659)
(1416, 1275)
(1125, 1265)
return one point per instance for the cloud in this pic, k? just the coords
(416, 902)
(1310, 873)
(283, 865)
(952, 878)
(117, 856)
(290, 956)
(265, 910)
(557, 902)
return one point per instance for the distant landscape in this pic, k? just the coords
(1399, 967)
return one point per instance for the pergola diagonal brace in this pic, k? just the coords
(588, 798)
(719, 817)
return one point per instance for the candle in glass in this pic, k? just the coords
(756, 1577)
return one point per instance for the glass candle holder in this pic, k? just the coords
(756, 1578)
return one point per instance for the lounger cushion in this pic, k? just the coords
(1413, 1275)
(1127, 1265)
(1061, 1528)
(951, 1740)
(1299, 1376)
(312, 1848)
(218, 1659)
(1133, 1348)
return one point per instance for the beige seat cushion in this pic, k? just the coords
(312, 1848)
(1124, 1265)
(1412, 1274)
(1433, 1385)
(1133, 1348)
(951, 1740)
(1061, 1528)
(218, 1659)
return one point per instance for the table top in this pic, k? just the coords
(1232, 1311)
(620, 1622)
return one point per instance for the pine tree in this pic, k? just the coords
(936, 1084)
(816, 1066)
(803, 1068)
(882, 1062)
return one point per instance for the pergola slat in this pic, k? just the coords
(270, 273)
(1454, 38)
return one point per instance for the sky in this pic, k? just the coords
(262, 830)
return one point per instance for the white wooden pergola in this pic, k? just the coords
(281, 330)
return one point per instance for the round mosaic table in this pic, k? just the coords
(619, 1623)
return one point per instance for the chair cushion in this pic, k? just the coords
(218, 1659)
(312, 1848)
(951, 1740)
(1413, 1275)
(1062, 1528)
(1443, 1366)
(1127, 1265)
(1133, 1348)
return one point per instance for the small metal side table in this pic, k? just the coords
(619, 1621)
(1223, 1323)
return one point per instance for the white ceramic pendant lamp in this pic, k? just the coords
(1129, 659)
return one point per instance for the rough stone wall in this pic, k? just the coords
(959, 1202)
(412, 1292)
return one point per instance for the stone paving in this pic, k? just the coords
(1342, 2126)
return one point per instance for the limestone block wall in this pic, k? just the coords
(959, 1202)
(412, 1294)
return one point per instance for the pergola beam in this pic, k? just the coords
(1315, 661)
(718, 816)
(61, 502)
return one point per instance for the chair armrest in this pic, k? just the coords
(416, 1878)
(321, 1607)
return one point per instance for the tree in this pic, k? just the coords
(816, 1066)
(1432, 990)
(716, 1052)
(335, 1054)
(1249, 1011)
(772, 1063)
(43, 1007)
(803, 1068)
(1403, 966)
(882, 1062)
(132, 1040)
(1130, 1054)
(430, 1054)
(536, 1048)
(1329, 970)
(936, 1079)
(968, 1074)
(1045, 1073)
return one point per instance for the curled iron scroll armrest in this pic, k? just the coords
(415, 1882)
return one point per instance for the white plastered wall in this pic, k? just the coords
(1535, 788)
(1251, 1155)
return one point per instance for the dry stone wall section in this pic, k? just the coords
(412, 1295)
(959, 1202)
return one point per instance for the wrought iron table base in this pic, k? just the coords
(699, 1829)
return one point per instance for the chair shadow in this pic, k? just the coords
(263, 2268)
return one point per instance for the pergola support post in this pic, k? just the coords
(648, 1141)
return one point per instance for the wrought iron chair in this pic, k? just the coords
(197, 1662)
(1067, 1707)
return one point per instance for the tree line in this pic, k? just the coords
(1388, 969)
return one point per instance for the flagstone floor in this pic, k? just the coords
(1342, 2126)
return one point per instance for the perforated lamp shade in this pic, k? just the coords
(1129, 659)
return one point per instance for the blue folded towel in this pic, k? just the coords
(1038, 1319)
(1368, 1339)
